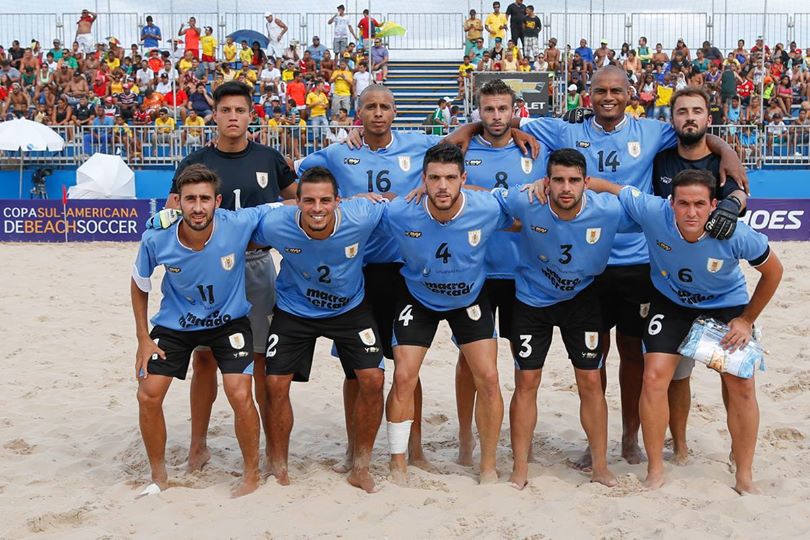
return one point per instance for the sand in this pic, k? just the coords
(71, 458)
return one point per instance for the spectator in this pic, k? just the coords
(229, 51)
(150, 34)
(208, 43)
(127, 102)
(316, 51)
(585, 52)
(740, 53)
(784, 95)
(152, 103)
(477, 51)
(327, 67)
(438, 117)
(635, 109)
(368, 27)
(495, 24)
(297, 91)
(191, 36)
(521, 111)
(644, 53)
(270, 76)
(164, 127)
(572, 98)
(531, 33)
(317, 103)
(98, 138)
(745, 87)
(486, 63)
(15, 53)
(659, 56)
(275, 30)
(379, 60)
(712, 53)
(728, 84)
(663, 96)
(362, 80)
(249, 74)
(540, 63)
(509, 63)
(342, 29)
(760, 47)
(342, 80)
(552, 54)
(681, 47)
(194, 131)
(632, 64)
(245, 54)
(473, 29)
(516, 14)
(84, 29)
(464, 72)
(177, 102)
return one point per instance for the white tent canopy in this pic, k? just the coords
(26, 136)
(103, 177)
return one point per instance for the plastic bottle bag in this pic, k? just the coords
(703, 345)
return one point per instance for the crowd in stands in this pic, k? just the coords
(106, 84)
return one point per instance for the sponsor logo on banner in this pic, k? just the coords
(591, 340)
(714, 265)
(228, 261)
(351, 251)
(634, 148)
(367, 337)
(526, 164)
(237, 341)
(262, 178)
(474, 237)
(474, 312)
(592, 236)
(405, 163)
(644, 310)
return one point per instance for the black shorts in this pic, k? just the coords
(383, 284)
(231, 344)
(416, 324)
(291, 344)
(501, 294)
(669, 323)
(579, 320)
(624, 294)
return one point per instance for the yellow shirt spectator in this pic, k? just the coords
(494, 22)
(524, 68)
(209, 45)
(637, 112)
(229, 50)
(184, 65)
(287, 75)
(116, 87)
(465, 69)
(317, 103)
(195, 126)
(342, 82)
(245, 56)
(113, 63)
(165, 126)
(250, 75)
(664, 95)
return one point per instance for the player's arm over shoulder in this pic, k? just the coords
(641, 206)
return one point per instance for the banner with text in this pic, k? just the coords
(532, 86)
(78, 221)
(779, 219)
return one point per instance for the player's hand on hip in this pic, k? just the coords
(527, 143)
(723, 220)
(355, 138)
(147, 350)
(738, 335)
(536, 190)
(164, 219)
(415, 196)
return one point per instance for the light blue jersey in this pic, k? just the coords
(703, 274)
(559, 258)
(321, 278)
(491, 167)
(201, 289)
(444, 262)
(397, 168)
(624, 156)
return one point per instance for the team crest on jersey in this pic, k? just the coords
(237, 341)
(228, 261)
(173, 269)
(592, 236)
(293, 250)
(714, 265)
(583, 144)
(473, 162)
(543, 258)
(351, 161)
(351, 251)
(474, 237)
(405, 163)
(538, 229)
(634, 148)
(662, 245)
(644, 310)
(262, 178)
(413, 234)
(526, 164)
(367, 337)
(591, 340)
(474, 312)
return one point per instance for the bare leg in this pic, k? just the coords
(151, 392)
(350, 390)
(724, 389)
(400, 404)
(631, 372)
(281, 423)
(202, 395)
(584, 462)
(367, 415)
(482, 358)
(465, 404)
(416, 455)
(658, 372)
(246, 426)
(679, 396)
(522, 421)
(262, 403)
(593, 415)
(743, 424)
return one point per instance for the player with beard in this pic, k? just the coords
(691, 118)
(252, 174)
(621, 149)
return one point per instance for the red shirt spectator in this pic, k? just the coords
(297, 91)
(364, 23)
(179, 96)
(745, 88)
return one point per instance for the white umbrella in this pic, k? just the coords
(103, 176)
(27, 136)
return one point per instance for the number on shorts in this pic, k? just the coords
(525, 347)
(324, 271)
(500, 180)
(237, 199)
(655, 325)
(685, 275)
(405, 315)
(272, 341)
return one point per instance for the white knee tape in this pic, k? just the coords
(398, 435)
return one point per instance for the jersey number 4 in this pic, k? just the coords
(443, 253)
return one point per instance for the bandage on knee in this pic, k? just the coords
(398, 435)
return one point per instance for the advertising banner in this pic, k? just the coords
(77, 221)
(779, 219)
(532, 85)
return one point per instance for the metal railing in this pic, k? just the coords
(769, 145)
